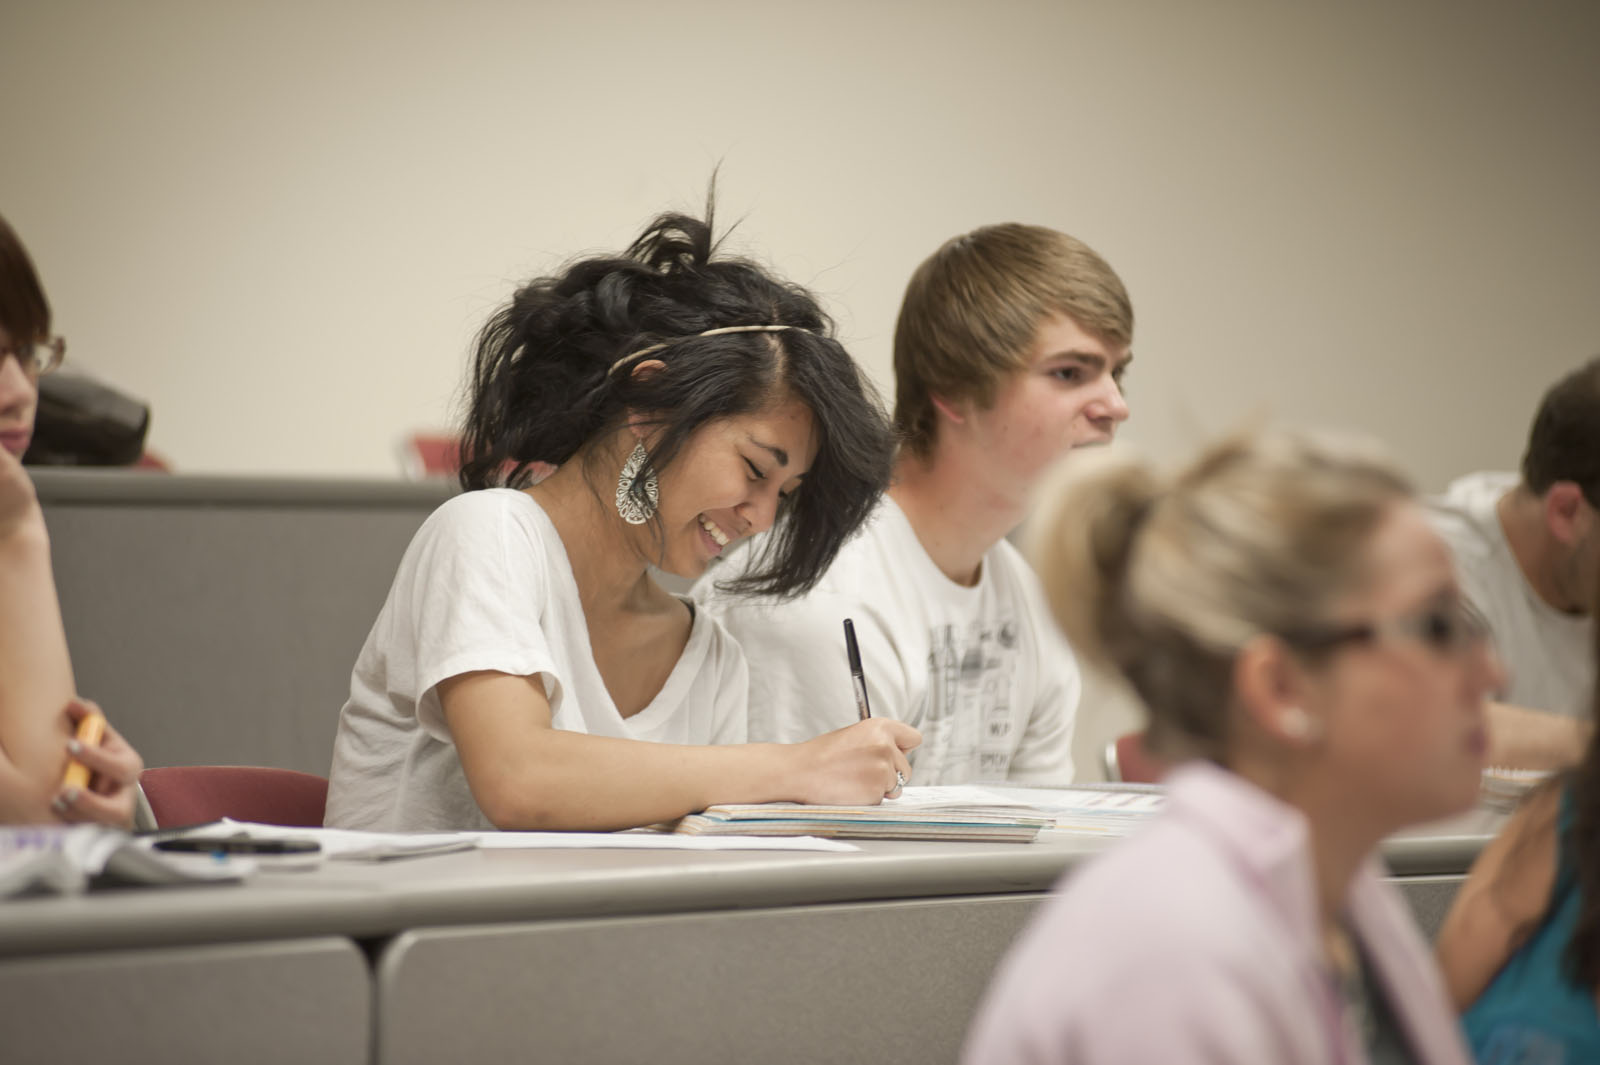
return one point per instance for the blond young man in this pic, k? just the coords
(1010, 349)
(1527, 547)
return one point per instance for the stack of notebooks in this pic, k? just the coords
(948, 813)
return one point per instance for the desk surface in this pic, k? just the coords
(476, 887)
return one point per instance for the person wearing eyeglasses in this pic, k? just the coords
(1297, 632)
(38, 705)
(1528, 549)
(1520, 948)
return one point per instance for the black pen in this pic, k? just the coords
(856, 675)
(237, 845)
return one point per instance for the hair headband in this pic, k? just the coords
(653, 348)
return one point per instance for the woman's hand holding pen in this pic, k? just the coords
(114, 768)
(863, 763)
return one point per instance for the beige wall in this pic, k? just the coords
(281, 223)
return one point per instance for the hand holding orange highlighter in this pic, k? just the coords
(91, 731)
(102, 776)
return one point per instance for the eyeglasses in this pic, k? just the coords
(1448, 629)
(37, 357)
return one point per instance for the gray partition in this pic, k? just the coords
(1429, 898)
(874, 983)
(302, 1001)
(217, 619)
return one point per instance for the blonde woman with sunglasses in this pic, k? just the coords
(1297, 632)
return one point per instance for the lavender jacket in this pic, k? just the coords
(1197, 941)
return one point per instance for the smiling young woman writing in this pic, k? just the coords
(527, 671)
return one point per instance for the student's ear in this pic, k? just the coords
(643, 371)
(1566, 513)
(1272, 691)
(639, 424)
(948, 409)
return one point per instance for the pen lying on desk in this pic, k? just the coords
(237, 845)
(856, 675)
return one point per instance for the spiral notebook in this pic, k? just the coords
(926, 813)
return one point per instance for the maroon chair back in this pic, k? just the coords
(194, 794)
(1128, 761)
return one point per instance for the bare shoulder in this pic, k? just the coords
(1519, 865)
(1506, 891)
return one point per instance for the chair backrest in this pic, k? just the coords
(430, 455)
(1128, 761)
(194, 794)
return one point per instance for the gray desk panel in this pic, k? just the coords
(878, 983)
(304, 1001)
(1429, 898)
(869, 935)
(271, 908)
(1443, 847)
(477, 887)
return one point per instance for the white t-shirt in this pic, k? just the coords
(982, 671)
(486, 585)
(1549, 654)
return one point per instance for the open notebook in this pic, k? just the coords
(949, 813)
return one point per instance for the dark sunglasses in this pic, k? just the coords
(1445, 628)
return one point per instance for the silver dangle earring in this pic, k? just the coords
(638, 493)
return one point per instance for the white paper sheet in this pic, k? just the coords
(344, 843)
(655, 841)
(349, 844)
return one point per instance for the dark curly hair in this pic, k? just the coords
(540, 387)
(1582, 955)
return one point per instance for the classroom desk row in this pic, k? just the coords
(876, 956)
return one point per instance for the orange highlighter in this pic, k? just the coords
(91, 730)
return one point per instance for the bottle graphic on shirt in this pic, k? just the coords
(944, 670)
(967, 711)
(994, 750)
(950, 661)
(967, 720)
(998, 741)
